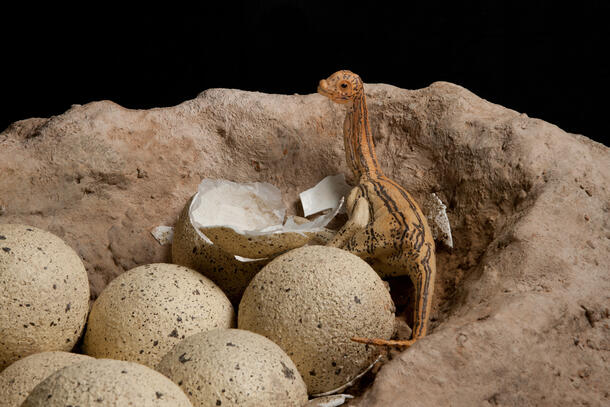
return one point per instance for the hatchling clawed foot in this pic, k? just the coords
(385, 342)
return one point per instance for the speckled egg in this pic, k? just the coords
(18, 380)
(311, 301)
(232, 367)
(189, 249)
(106, 382)
(145, 311)
(44, 293)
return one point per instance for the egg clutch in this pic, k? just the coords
(248, 313)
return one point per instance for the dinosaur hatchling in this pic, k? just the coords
(386, 227)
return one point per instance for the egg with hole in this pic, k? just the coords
(192, 249)
(249, 219)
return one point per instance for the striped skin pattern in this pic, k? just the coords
(386, 227)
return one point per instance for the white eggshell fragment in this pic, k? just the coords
(44, 293)
(20, 378)
(329, 401)
(248, 219)
(145, 311)
(325, 195)
(107, 382)
(436, 212)
(311, 301)
(232, 367)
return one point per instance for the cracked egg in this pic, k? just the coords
(228, 231)
(249, 220)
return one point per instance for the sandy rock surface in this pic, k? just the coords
(521, 307)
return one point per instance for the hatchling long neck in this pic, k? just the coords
(358, 140)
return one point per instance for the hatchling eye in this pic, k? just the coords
(343, 85)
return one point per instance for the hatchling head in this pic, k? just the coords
(341, 87)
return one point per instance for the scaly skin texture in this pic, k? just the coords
(385, 227)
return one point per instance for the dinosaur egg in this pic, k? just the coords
(311, 301)
(106, 382)
(145, 311)
(192, 249)
(44, 293)
(249, 220)
(232, 367)
(18, 380)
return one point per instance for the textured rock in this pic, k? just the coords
(520, 313)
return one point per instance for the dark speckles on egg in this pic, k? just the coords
(236, 364)
(156, 306)
(99, 381)
(28, 253)
(339, 295)
(287, 372)
(183, 358)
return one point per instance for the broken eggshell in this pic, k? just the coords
(436, 212)
(190, 248)
(247, 220)
(325, 195)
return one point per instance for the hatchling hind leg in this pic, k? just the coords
(423, 280)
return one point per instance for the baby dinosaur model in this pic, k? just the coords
(385, 227)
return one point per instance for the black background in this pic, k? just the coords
(538, 57)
